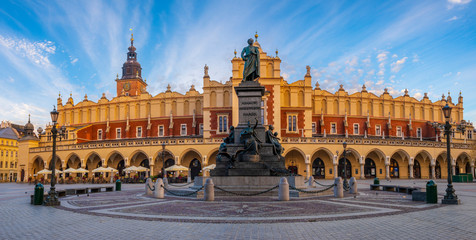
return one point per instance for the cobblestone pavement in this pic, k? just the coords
(20, 220)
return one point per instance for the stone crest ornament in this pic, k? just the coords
(250, 55)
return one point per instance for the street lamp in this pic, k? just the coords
(346, 184)
(163, 161)
(450, 196)
(52, 199)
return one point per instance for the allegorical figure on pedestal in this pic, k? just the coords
(273, 138)
(249, 139)
(250, 55)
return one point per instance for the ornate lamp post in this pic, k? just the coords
(52, 199)
(450, 196)
(163, 161)
(346, 184)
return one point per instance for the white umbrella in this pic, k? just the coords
(70, 170)
(109, 169)
(81, 170)
(131, 169)
(142, 169)
(44, 171)
(210, 167)
(100, 169)
(176, 168)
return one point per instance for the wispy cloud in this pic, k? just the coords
(397, 66)
(452, 3)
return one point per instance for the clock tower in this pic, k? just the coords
(131, 83)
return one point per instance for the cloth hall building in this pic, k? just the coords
(387, 136)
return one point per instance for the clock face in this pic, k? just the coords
(127, 86)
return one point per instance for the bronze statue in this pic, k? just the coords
(273, 138)
(249, 139)
(231, 138)
(250, 55)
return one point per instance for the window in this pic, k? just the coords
(201, 129)
(356, 129)
(66, 133)
(292, 122)
(222, 124)
(6, 153)
(1, 164)
(333, 128)
(2, 153)
(314, 127)
(100, 134)
(139, 132)
(378, 131)
(183, 129)
(470, 134)
(161, 130)
(399, 131)
(16, 154)
(418, 132)
(263, 112)
(118, 133)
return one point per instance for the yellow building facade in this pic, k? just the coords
(387, 137)
(8, 154)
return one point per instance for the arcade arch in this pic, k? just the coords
(294, 161)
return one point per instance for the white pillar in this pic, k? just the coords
(411, 171)
(159, 188)
(453, 167)
(308, 166)
(362, 164)
(472, 169)
(433, 171)
(387, 167)
(338, 188)
(335, 162)
(283, 194)
(209, 191)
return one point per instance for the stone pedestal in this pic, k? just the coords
(265, 163)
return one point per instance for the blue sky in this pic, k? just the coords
(78, 47)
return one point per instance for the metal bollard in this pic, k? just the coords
(148, 190)
(283, 193)
(353, 186)
(338, 188)
(159, 188)
(166, 182)
(209, 193)
(311, 181)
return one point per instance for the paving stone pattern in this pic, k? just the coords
(409, 220)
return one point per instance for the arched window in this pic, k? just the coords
(369, 168)
(226, 99)
(318, 169)
(287, 98)
(301, 99)
(394, 170)
(213, 99)
(198, 107)
(186, 107)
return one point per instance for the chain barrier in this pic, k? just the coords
(317, 191)
(246, 194)
(180, 185)
(182, 194)
(148, 185)
(323, 184)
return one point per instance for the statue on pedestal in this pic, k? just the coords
(273, 138)
(249, 139)
(231, 138)
(250, 55)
